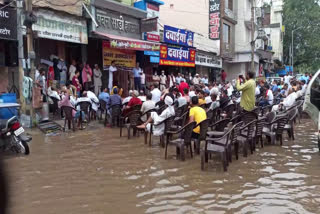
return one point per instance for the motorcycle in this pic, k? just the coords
(12, 136)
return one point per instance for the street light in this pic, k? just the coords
(292, 45)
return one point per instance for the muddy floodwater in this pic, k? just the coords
(98, 172)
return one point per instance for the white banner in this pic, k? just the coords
(61, 27)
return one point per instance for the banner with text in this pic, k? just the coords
(177, 56)
(177, 36)
(214, 19)
(8, 23)
(125, 59)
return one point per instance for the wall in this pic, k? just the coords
(275, 33)
(242, 33)
(4, 82)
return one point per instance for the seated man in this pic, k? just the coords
(197, 114)
(158, 129)
(287, 102)
(104, 95)
(114, 99)
(215, 103)
(268, 97)
(147, 105)
(181, 100)
(127, 99)
(94, 100)
(201, 97)
(133, 102)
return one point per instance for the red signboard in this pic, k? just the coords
(214, 19)
(152, 7)
(177, 56)
(153, 37)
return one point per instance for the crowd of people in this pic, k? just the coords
(175, 91)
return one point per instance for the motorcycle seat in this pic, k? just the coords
(3, 123)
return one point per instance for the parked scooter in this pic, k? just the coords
(12, 136)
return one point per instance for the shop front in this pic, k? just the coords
(208, 64)
(118, 38)
(59, 39)
(8, 50)
(177, 54)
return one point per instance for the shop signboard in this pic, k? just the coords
(124, 58)
(177, 56)
(152, 53)
(119, 24)
(8, 23)
(177, 36)
(208, 60)
(134, 45)
(51, 25)
(214, 19)
(154, 59)
(153, 11)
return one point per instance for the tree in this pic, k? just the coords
(304, 15)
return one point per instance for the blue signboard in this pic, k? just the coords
(154, 59)
(177, 36)
(152, 53)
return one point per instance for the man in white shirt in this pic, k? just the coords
(178, 79)
(142, 97)
(112, 69)
(72, 69)
(94, 100)
(143, 81)
(147, 105)
(127, 99)
(196, 80)
(84, 98)
(288, 101)
(207, 97)
(172, 80)
(257, 90)
(163, 81)
(156, 93)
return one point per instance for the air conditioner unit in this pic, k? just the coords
(258, 12)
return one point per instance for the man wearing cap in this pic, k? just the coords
(163, 81)
(158, 127)
(196, 80)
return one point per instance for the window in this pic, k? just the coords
(228, 4)
(226, 33)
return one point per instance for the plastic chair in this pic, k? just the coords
(204, 125)
(68, 117)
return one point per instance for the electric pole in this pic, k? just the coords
(20, 55)
(31, 54)
(252, 37)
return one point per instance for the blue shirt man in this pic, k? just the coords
(305, 78)
(104, 95)
(137, 71)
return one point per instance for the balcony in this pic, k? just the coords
(227, 51)
(230, 15)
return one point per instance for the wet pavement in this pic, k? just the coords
(97, 172)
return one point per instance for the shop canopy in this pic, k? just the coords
(129, 43)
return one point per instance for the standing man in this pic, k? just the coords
(143, 82)
(86, 77)
(182, 86)
(178, 78)
(163, 81)
(112, 69)
(196, 80)
(171, 80)
(137, 78)
(223, 76)
(214, 76)
(97, 79)
(248, 89)
(72, 69)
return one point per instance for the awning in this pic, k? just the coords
(128, 43)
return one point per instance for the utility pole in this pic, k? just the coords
(31, 54)
(20, 55)
(252, 36)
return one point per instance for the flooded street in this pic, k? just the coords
(99, 172)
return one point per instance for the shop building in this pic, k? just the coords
(8, 49)
(117, 36)
(177, 54)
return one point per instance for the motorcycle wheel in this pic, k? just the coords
(26, 148)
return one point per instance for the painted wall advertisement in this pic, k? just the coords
(177, 56)
(125, 59)
(214, 19)
(53, 26)
(153, 11)
(177, 36)
(8, 23)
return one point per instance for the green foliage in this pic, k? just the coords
(304, 15)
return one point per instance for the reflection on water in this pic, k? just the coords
(98, 172)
